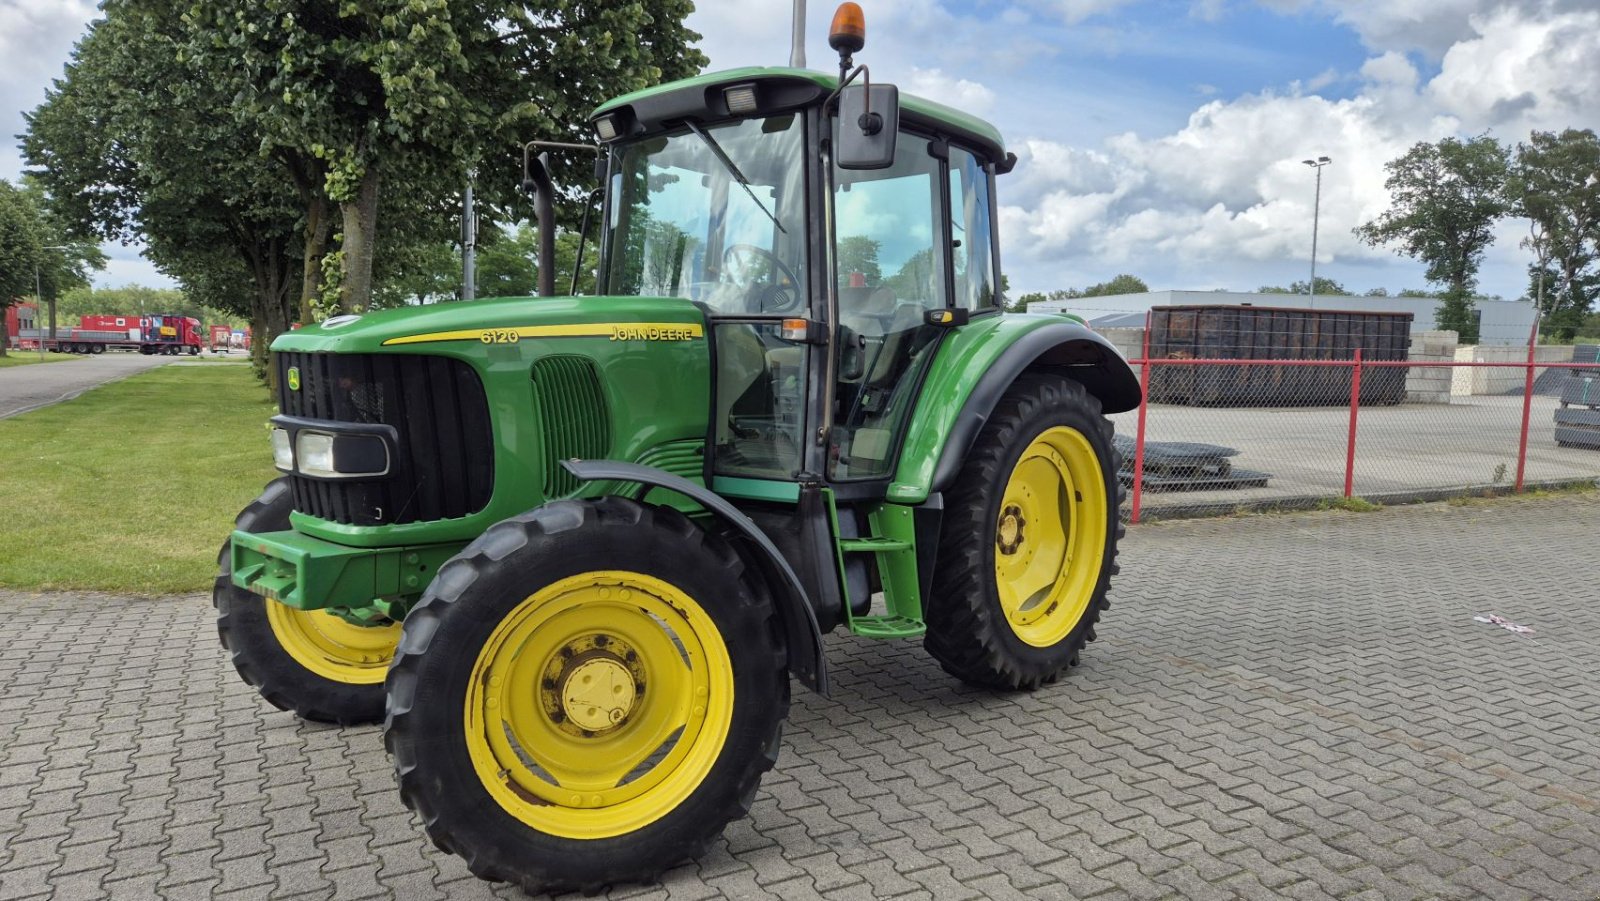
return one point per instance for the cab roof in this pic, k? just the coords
(781, 88)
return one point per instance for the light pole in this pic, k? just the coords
(797, 37)
(38, 295)
(1316, 213)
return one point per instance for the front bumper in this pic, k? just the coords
(311, 574)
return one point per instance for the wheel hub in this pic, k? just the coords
(592, 685)
(1008, 535)
(598, 693)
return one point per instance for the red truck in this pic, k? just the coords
(162, 333)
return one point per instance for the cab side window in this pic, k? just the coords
(888, 227)
(890, 258)
(971, 230)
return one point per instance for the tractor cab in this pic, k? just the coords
(827, 284)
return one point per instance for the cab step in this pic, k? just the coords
(887, 626)
(873, 545)
(892, 542)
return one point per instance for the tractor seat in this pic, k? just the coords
(888, 342)
(866, 311)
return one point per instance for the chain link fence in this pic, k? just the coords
(1303, 414)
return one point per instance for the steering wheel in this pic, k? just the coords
(775, 297)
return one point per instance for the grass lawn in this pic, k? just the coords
(27, 357)
(132, 487)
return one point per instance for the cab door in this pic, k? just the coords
(911, 238)
(891, 260)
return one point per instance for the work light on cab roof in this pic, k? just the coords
(848, 33)
(576, 547)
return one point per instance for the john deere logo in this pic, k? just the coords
(294, 378)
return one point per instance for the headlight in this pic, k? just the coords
(316, 454)
(321, 455)
(282, 453)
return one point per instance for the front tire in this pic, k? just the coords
(586, 695)
(310, 662)
(1029, 540)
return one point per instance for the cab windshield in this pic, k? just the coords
(714, 214)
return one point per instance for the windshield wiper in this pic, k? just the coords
(716, 151)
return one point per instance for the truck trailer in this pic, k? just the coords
(162, 333)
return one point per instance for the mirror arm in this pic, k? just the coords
(868, 123)
(844, 82)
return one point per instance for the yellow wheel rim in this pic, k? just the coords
(599, 704)
(1050, 536)
(333, 647)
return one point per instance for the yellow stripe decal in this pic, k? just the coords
(616, 331)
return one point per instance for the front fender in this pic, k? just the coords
(801, 632)
(975, 366)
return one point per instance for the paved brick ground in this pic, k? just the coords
(1292, 706)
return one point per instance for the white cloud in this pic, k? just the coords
(1228, 187)
(966, 95)
(1074, 11)
(1431, 26)
(35, 38)
(1521, 72)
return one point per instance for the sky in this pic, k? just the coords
(1157, 137)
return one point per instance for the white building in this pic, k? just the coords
(1499, 321)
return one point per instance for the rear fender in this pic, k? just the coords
(801, 632)
(976, 366)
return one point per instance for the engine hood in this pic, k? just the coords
(506, 320)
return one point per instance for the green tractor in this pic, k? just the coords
(571, 550)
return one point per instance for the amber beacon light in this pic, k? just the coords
(848, 33)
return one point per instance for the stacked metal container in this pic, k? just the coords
(1578, 418)
(1274, 333)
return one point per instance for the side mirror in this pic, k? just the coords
(868, 124)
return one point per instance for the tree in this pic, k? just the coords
(1555, 183)
(1020, 305)
(130, 300)
(68, 253)
(38, 255)
(916, 277)
(859, 254)
(381, 93)
(1590, 329)
(19, 249)
(507, 266)
(1121, 284)
(1444, 201)
(1376, 292)
(128, 146)
(1326, 287)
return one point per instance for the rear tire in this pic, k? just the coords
(309, 662)
(517, 767)
(1029, 540)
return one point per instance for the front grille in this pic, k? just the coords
(573, 416)
(444, 467)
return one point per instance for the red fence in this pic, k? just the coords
(1461, 442)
